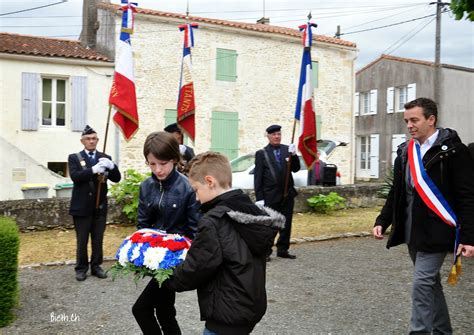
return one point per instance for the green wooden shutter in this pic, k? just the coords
(225, 133)
(171, 116)
(226, 65)
(318, 127)
(315, 65)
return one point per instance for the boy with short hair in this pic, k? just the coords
(226, 261)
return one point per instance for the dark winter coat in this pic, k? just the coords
(168, 205)
(226, 262)
(449, 165)
(83, 199)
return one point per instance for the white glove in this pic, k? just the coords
(106, 163)
(292, 148)
(98, 168)
(182, 149)
(260, 203)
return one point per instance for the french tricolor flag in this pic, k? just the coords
(186, 105)
(122, 95)
(304, 105)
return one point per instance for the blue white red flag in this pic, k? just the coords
(186, 105)
(304, 112)
(122, 95)
(433, 198)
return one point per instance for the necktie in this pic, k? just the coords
(91, 157)
(278, 157)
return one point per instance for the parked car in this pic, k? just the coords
(243, 167)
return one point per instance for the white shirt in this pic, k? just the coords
(428, 143)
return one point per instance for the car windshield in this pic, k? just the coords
(326, 146)
(242, 163)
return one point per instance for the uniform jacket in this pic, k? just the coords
(267, 187)
(168, 205)
(83, 199)
(226, 262)
(449, 165)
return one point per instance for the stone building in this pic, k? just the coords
(245, 77)
(49, 89)
(384, 86)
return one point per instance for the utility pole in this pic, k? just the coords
(338, 32)
(437, 74)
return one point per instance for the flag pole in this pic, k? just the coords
(102, 176)
(288, 164)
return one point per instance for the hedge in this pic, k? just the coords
(9, 246)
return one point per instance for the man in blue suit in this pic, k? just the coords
(85, 167)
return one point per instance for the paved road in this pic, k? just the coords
(345, 286)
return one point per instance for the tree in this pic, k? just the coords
(461, 7)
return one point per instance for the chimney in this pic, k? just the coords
(264, 20)
(90, 25)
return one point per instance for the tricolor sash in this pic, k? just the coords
(432, 197)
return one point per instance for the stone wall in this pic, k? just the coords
(42, 214)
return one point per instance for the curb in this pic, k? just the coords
(292, 241)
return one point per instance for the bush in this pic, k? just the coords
(386, 186)
(9, 246)
(326, 203)
(127, 191)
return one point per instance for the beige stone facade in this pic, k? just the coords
(264, 93)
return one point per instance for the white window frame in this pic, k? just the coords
(406, 91)
(367, 156)
(54, 103)
(368, 102)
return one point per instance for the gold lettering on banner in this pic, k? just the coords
(187, 98)
(113, 91)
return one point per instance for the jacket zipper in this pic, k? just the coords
(161, 196)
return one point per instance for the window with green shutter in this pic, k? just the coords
(225, 133)
(171, 117)
(315, 66)
(226, 65)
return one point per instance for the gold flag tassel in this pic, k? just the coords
(455, 272)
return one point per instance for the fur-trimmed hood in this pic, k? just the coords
(257, 225)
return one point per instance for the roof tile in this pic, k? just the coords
(46, 46)
(241, 25)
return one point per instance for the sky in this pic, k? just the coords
(414, 39)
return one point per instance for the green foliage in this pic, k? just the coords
(127, 191)
(118, 270)
(461, 8)
(9, 246)
(386, 186)
(326, 203)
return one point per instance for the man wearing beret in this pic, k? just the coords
(186, 152)
(271, 165)
(84, 170)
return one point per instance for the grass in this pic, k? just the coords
(60, 245)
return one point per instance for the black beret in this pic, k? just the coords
(172, 128)
(88, 131)
(273, 128)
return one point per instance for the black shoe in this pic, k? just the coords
(81, 276)
(99, 273)
(286, 254)
(268, 259)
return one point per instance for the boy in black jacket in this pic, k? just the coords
(226, 261)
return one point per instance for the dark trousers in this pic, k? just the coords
(160, 300)
(95, 226)
(285, 208)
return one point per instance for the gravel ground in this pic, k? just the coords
(344, 286)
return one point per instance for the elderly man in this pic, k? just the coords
(270, 180)
(89, 219)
